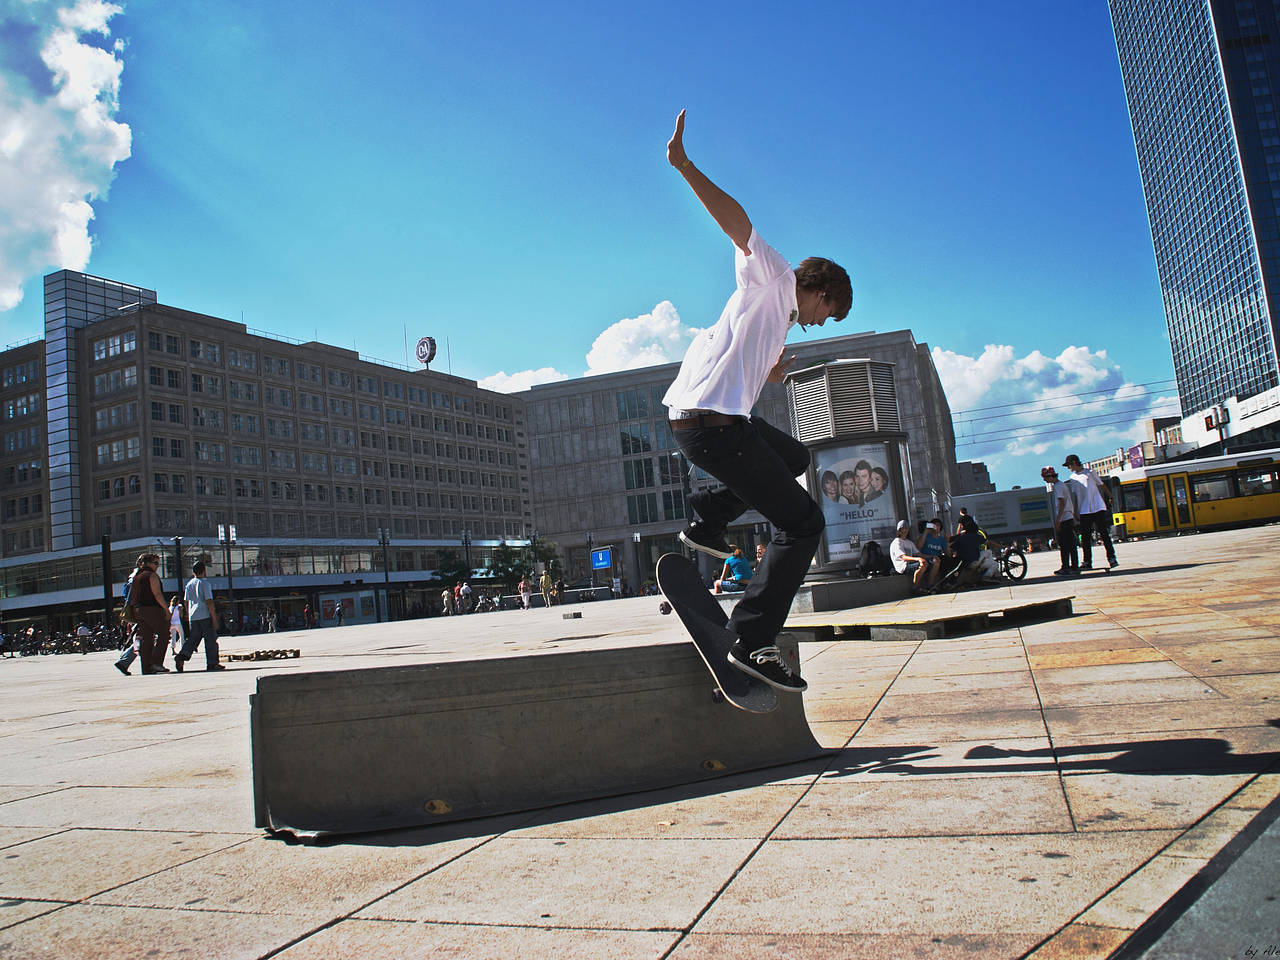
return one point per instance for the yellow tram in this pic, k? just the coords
(1192, 495)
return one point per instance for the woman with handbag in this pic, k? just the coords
(151, 614)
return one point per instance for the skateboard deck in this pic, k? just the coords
(706, 623)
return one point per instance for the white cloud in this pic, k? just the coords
(503, 382)
(1018, 413)
(59, 139)
(643, 341)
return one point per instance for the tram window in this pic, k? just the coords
(1211, 486)
(1254, 482)
(1136, 497)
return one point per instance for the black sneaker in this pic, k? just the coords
(1113, 563)
(122, 668)
(698, 537)
(177, 662)
(766, 664)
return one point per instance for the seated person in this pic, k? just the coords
(907, 558)
(736, 572)
(933, 544)
(967, 549)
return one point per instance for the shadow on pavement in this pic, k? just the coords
(1183, 755)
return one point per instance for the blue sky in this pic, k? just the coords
(494, 175)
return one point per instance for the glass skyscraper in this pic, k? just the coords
(1199, 77)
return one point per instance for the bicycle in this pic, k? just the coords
(1013, 562)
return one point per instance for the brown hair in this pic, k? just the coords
(826, 276)
(145, 558)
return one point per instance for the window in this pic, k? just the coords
(1257, 481)
(1215, 486)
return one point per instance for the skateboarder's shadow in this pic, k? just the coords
(1172, 757)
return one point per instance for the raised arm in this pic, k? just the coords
(725, 210)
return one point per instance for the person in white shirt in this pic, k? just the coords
(710, 405)
(907, 558)
(1093, 505)
(1062, 504)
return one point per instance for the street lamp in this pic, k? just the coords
(533, 549)
(384, 540)
(227, 537)
(466, 551)
(177, 569)
(639, 570)
(591, 563)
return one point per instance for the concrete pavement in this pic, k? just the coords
(1037, 790)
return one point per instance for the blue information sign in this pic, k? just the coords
(602, 559)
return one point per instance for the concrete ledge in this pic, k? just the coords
(826, 595)
(902, 623)
(361, 750)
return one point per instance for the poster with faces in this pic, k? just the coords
(856, 494)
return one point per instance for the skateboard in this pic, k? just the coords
(705, 622)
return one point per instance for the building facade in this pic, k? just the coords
(606, 472)
(147, 423)
(1202, 78)
(972, 477)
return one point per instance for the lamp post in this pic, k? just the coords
(227, 537)
(639, 570)
(466, 551)
(384, 540)
(591, 563)
(533, 546)
(177, 568)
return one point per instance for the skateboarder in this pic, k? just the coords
(710, 405)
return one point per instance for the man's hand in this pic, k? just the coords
(779, 371)
(675, 146)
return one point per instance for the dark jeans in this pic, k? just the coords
(1067, 545)
(202, 630)
(1100, 521)
(757, 465)
(153, 635)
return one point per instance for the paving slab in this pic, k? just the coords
(85, 932)
(599, 883)
(364, 939)
(1030, 884)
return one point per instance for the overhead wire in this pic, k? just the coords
(1087, 393)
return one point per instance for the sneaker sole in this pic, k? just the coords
(752, 672)
(702, 548)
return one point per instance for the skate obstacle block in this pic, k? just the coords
(354, 751)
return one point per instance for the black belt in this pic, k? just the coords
(701, 420)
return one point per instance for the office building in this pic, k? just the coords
(1202, 78)
(604, 466)
(147, 423)
(972, 477)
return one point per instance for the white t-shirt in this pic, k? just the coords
(1059, 491)
(1088, 491)
(725, 368)
(198, 595)
(901, 551)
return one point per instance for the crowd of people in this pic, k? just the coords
(1080, 509)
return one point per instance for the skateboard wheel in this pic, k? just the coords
(664, 608)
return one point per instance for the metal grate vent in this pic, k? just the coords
(843, 397)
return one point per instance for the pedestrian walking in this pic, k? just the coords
(176, 637)
(1093, 504)
(203, 621)
(150, 612)
(1063, 504)
(546, 586)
